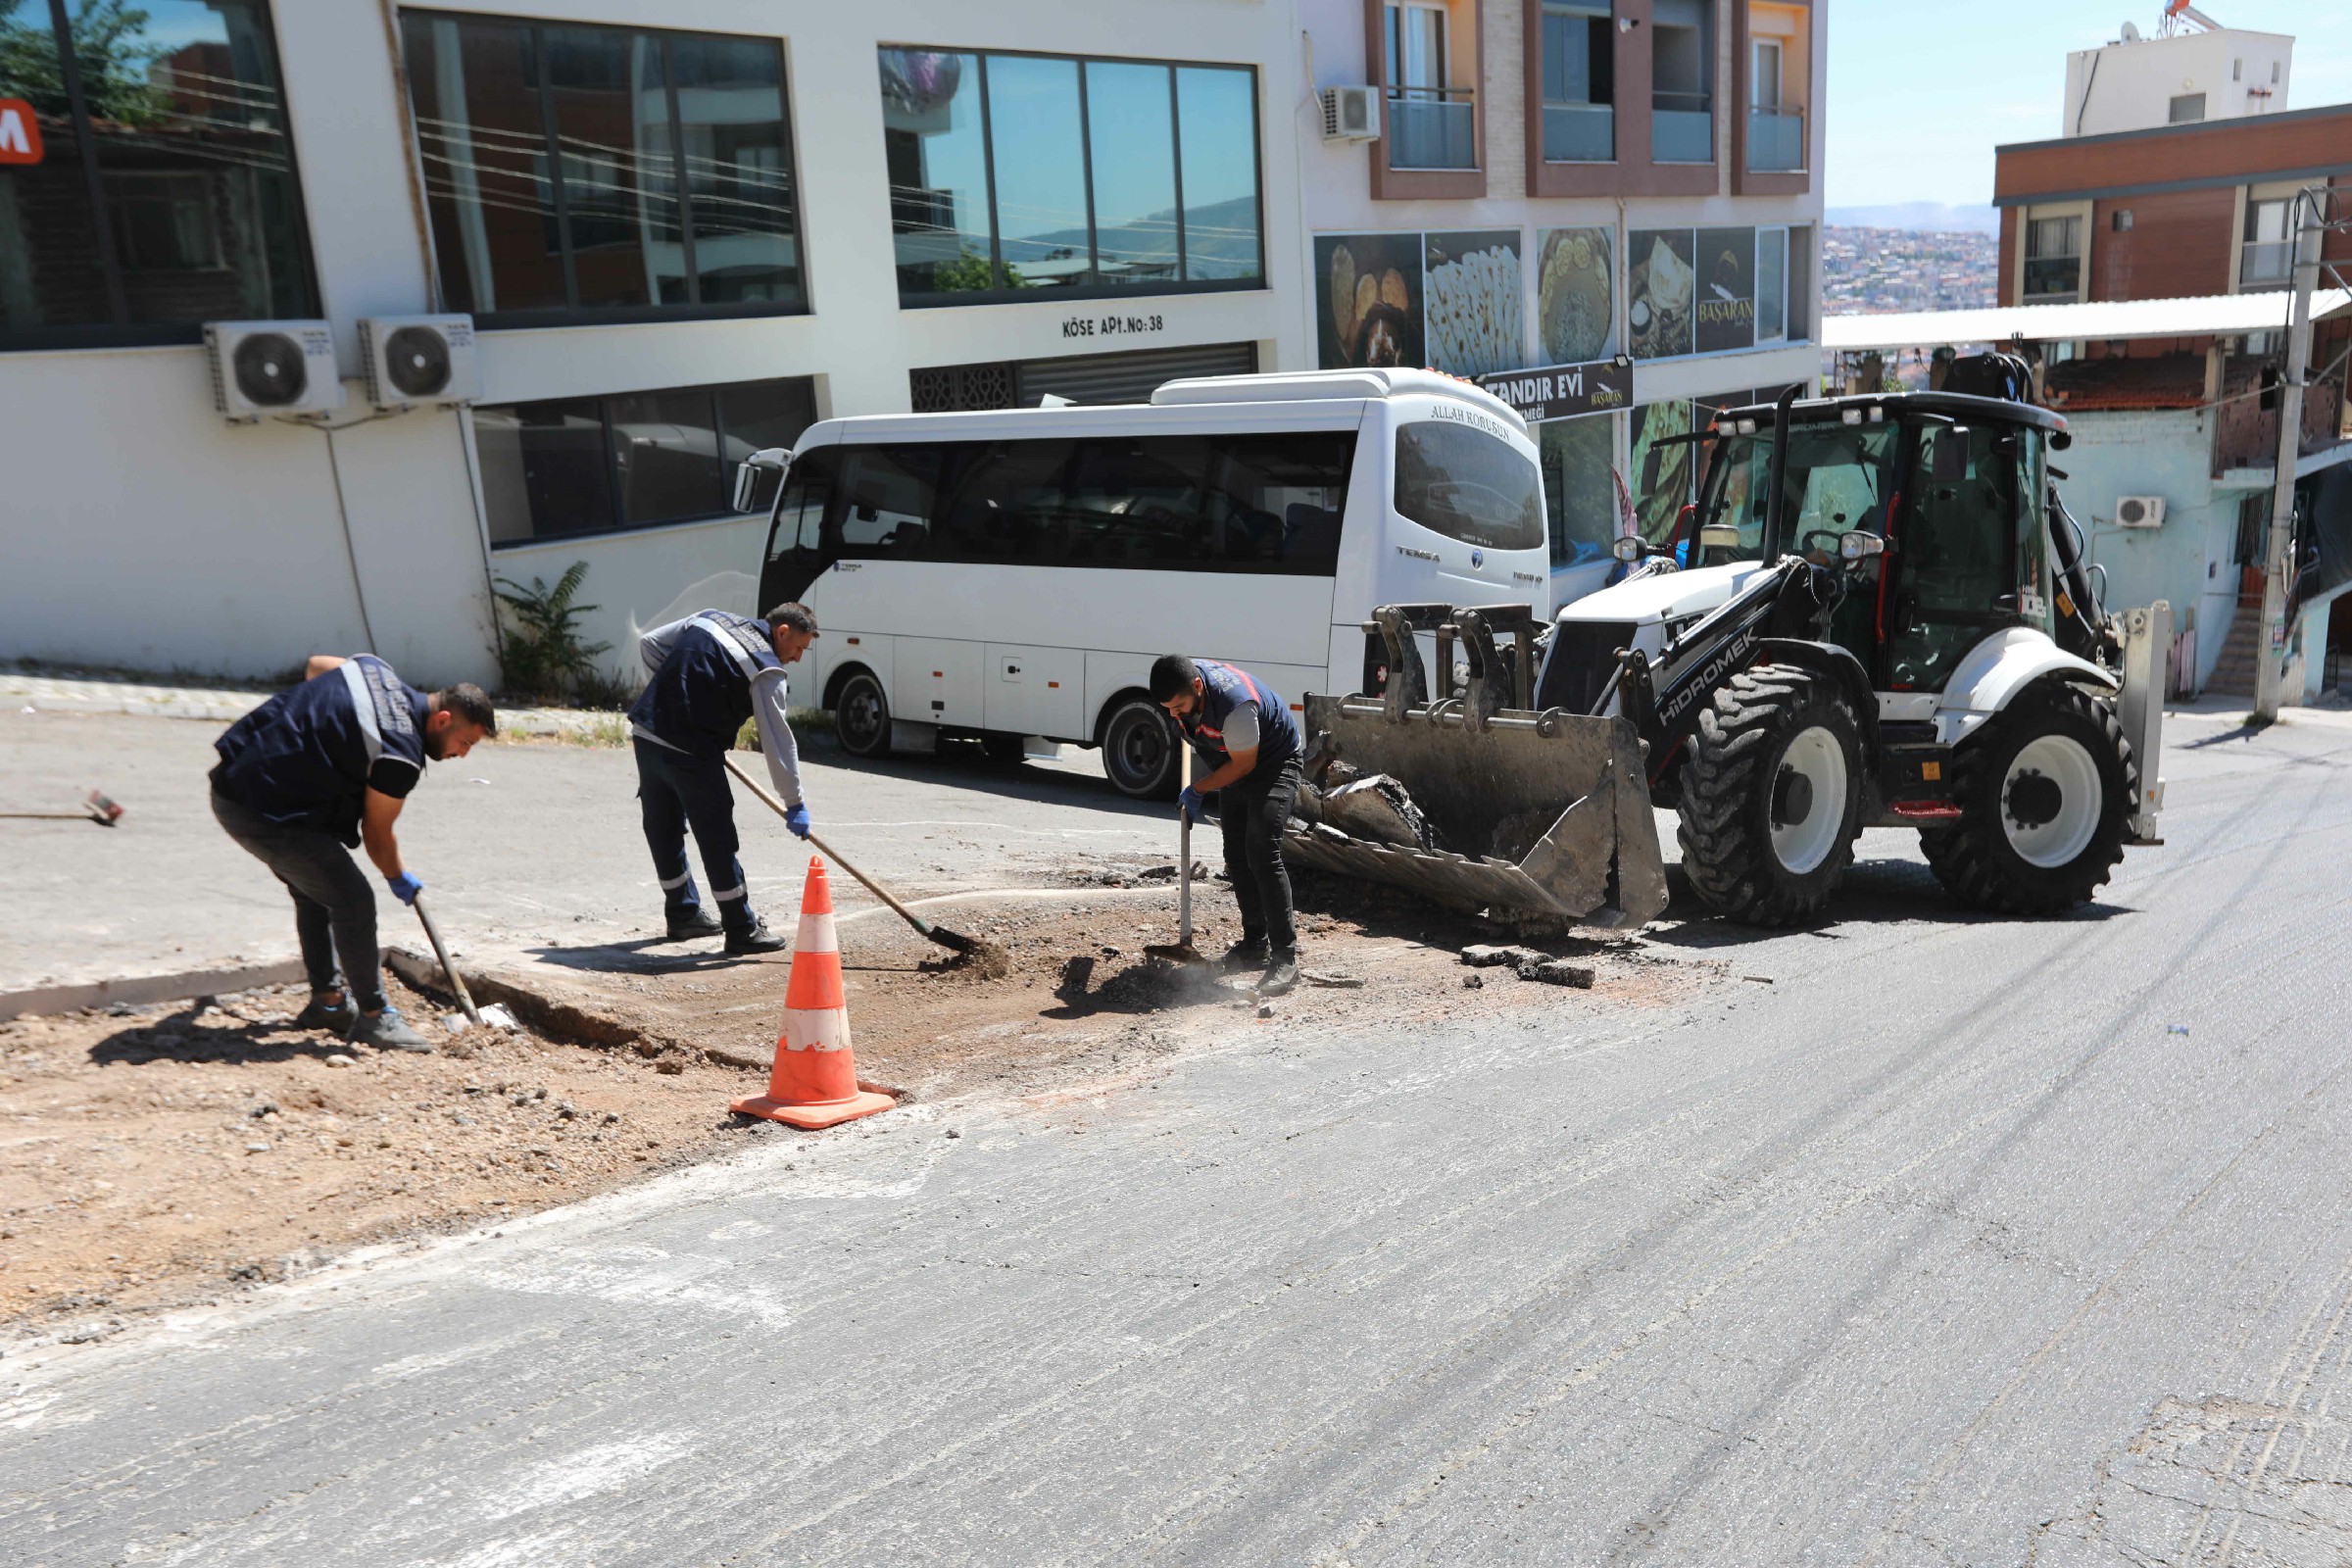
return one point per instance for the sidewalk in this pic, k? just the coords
(65, 691)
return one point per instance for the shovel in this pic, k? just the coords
(457, 985)
(1181, 951)
(953, 941)
(97, 809)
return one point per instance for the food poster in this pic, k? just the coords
(1659, 290)
(1472, 312)
(1368, 298)
(1727, 289)
(1664, 470)
(1576, 295)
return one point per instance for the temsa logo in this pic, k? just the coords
(20, 133)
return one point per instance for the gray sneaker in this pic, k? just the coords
(386, 1031)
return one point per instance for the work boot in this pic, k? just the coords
(758, 938)
(319, 1013)
(697, 922)
(386, 1031)
(1247, 953)
(1280, 977)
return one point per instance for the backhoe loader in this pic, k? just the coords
(1878, 613)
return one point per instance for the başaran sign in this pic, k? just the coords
(1562, 391)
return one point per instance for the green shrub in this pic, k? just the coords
(541, 656)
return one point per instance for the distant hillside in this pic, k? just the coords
(1935, 218)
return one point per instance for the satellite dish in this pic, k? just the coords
(2130, 32)
(268, 370)
(416, 361)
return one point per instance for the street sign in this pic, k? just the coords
(20, 133)
(1560, 391)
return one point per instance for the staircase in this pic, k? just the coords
(2233, 674)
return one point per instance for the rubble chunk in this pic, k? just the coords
(1557, 972)
(1479, 956)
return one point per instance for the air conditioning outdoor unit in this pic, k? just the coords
(264, 367)
(420, 359)
(1352, 113)
(2140, 512)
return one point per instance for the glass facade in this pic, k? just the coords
(603, 170)
(634, 459)
(1579, 92)
(163, 194)
(1011, 174)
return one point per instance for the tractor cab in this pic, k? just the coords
(1951, 487)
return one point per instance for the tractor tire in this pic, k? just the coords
(1772, 795)
(2045, 792)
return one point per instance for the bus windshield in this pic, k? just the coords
(1836, 481)
(1468, 485)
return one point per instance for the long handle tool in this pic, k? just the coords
(433, 933)
(1181, 951)
(97, 809)
(955, 941)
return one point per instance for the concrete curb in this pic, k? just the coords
(138, 990)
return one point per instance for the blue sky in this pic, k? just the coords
(1921, 91)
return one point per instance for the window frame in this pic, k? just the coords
(124, 332)
(616, 484)
(573, 314)
(1001, 295)
(2081, 215)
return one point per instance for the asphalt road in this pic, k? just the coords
(1962, 1242)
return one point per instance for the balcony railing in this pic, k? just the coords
(1432, 128)
(1580, 133)
(1775, 141)
(1682, 127)
(2266, 264)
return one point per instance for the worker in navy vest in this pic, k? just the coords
(710, 671)
(318, 769)
(1247, 738)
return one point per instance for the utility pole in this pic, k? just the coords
(2270, 648)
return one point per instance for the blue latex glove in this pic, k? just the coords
(404, 887)
(1189, 802)
(797, 820)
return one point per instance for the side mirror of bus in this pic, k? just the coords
(755, 468)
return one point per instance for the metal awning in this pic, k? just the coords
(2210, 315)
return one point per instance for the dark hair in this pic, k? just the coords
(469, 703)
(792, 617)
(1172, 674)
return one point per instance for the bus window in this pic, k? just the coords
(1137, 501)
(800, 524)
(1006, 503)
(1283, 495)
(890, 495)
(1468, 485)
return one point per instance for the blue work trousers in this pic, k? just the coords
(677, 791)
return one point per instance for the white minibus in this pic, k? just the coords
(1013, 573)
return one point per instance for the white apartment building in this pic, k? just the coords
(683, 233)
(2196, 70)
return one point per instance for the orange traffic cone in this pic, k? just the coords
(814, 1082)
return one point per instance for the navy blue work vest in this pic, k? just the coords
(309, 756)
(1224, 689)
(700, 697)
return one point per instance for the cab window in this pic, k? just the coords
(1836, 481)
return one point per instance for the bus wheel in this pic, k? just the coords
(862, 716)
(1136, 750)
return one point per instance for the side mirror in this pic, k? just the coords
(1951, 455)
(1719, 536)
(756, 467)
(1629, 549)
(1858, 547)
(2060, 440)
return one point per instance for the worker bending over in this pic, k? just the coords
(323, 766)
(1250, 742)
(710, 671)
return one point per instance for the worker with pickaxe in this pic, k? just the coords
(1241, 727)
(710, 671)
(320, 768)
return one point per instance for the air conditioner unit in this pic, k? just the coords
(420, 359)
(261, 368)
(2140, 512)
(1352, 113)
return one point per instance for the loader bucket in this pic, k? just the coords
(1543, 813)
